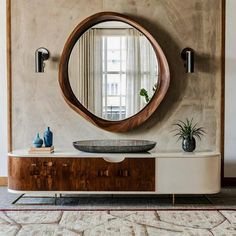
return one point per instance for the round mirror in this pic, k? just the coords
(113, 72)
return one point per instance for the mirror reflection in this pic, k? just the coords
(113, 70)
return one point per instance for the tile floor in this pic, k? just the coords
(118, 223)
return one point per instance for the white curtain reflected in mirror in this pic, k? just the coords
(85, 71)
(113, 70)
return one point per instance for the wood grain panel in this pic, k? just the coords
(67, 173)
(3, 181)
(132, 175)
(99, 174)
(31, 174)
(81, 174)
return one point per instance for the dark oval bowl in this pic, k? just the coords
(114, 146)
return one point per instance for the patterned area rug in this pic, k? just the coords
(122, 223)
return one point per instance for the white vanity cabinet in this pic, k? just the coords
(143, 173)
(183, 173)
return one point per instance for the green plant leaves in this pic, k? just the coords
(143, 92)
(187, 129)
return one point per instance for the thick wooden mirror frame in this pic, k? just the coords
(130, 122)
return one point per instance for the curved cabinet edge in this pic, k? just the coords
(106, 192)
(172, 176)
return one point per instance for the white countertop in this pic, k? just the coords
(79, 154)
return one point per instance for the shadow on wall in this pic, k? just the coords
(230, 167)
(54, 62)
(204, 63)
(178, 77)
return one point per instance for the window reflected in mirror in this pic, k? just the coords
(113, 70)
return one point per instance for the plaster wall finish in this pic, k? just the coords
(176, 24)
(3, 91)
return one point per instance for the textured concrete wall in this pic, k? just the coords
(176, 24)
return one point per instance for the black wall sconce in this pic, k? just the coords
(187, 55)
(41, 55)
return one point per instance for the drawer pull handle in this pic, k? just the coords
(47, 163)
(33, 173)
(103, 173)
(64, 165)
(123, 173)
(33, 164)
(36, 176)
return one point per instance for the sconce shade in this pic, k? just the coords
(187, 55)
(41, 54)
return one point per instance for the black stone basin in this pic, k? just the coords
(114, 146)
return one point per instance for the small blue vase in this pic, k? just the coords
(48, 137)
(38, 142)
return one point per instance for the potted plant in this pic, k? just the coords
(187, 131)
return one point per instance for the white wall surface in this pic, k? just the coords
(3, 91)
(230, 91)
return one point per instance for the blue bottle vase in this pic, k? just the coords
(38, 142)
(48, 137)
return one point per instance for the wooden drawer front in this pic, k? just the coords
(135, 174)
(129, 175)
(66, 174)
(100, 174)
(31, 174)
(81, 174)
